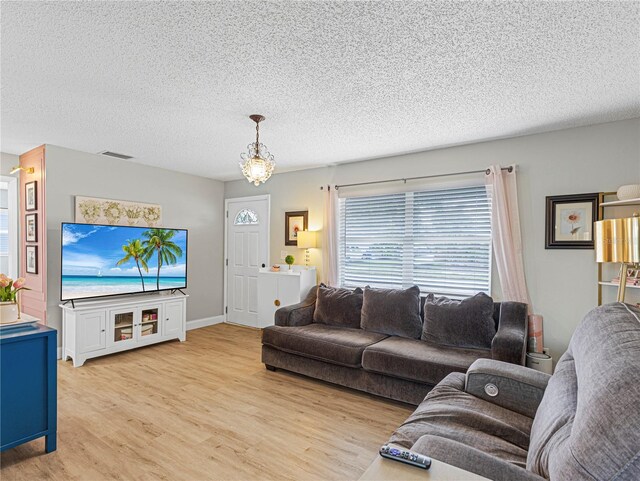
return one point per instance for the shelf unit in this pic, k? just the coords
(95, 328)
(618, 205)
(605, 283)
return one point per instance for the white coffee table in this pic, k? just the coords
(388, 470)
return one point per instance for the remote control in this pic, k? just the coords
(405, 456)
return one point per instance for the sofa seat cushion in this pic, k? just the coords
(451, 413)
(417, 360)
(336, 345)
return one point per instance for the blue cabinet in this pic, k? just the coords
(28, 390)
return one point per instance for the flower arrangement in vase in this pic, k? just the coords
(9, 305)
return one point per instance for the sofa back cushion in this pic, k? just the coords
(586, 426)
(395, 312)
(338, 307)
(468, 323)
(496, 311)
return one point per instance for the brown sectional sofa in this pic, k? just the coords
(400, 368)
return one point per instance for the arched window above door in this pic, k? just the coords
(246, 217)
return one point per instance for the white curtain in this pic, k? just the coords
(330, 237)
(507, 239)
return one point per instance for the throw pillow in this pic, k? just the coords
(338, 307)
(467, 323)
(395, 312)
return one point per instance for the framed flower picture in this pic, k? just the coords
(293, 223)
(31, 253)
(569, 221)
(31, 227)
(31, 196)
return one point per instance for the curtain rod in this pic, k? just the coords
(487, 172)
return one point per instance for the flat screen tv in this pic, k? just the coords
(108, 260)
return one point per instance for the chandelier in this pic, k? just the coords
(257, 163)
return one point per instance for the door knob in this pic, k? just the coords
(264, 265)
(277, 302)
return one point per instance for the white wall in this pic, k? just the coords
(189, 202)
(7, 162)
(562, 283)
(289, 192)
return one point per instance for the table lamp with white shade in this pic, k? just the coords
(618, 240)
(306, 241)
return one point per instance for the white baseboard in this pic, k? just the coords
(59, 353)
(207, 321)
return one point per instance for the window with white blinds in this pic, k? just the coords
(439, 240)
(4, 229)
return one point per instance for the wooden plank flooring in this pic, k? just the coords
(206, 409)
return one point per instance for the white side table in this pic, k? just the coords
(540, 362)
(388, 470)
(283, 288)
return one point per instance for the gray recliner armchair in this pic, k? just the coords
(507, 422)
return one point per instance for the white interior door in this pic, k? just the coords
(247, 251)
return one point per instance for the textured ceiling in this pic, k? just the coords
(172, 83)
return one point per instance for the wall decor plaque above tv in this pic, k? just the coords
(108, 260)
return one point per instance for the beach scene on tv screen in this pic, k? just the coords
(108, 260)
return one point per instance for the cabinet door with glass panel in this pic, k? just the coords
(134, 324)
(122, 326)
(149, 324)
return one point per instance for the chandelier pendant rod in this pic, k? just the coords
(257, 164)
(257, 119)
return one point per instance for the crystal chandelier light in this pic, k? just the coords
(257, 163)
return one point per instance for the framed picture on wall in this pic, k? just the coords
(31, 253)
(31, 227)
(31, 196)
(569, 221)
(293, 223)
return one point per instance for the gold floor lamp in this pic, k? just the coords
(618, 240)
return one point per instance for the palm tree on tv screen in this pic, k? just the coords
(134, 250)
(159, 241)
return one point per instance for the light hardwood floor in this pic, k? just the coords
(204, 409)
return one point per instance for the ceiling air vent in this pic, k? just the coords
(116, 155)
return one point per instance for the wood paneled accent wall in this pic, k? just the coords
(34, 301)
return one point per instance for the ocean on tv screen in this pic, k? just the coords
(100, 260)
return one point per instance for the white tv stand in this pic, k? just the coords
(105, 326)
